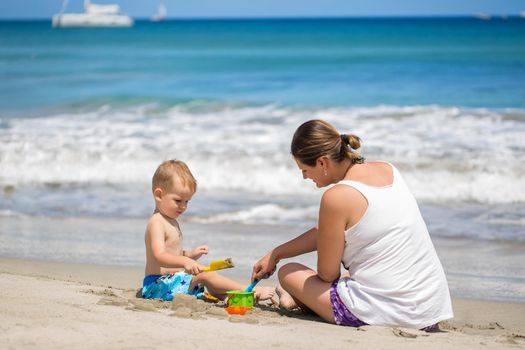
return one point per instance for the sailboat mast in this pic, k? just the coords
(64, 5)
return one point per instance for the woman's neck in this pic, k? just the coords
(341, 169)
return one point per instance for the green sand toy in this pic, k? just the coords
(239, 301)
(240, 298)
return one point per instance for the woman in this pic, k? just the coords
(370, 222)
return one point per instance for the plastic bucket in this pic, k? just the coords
(240, 298)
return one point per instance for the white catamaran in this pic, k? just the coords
(95, 15)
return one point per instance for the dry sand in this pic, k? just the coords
(45, 305)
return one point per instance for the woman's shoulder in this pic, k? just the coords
(341, 194)
(344, 201)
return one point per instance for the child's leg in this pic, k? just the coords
(218, 285)
(306, 288)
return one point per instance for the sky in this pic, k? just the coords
(27, 9)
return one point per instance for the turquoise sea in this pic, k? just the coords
(318, 62)
(86, 115)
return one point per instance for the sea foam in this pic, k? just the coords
(444, 153)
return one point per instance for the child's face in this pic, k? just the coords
(173, 202)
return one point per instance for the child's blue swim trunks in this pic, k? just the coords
(165, 286)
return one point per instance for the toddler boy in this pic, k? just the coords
(169, 268)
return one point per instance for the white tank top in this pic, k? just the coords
(396, 277)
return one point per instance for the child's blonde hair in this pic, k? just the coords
(163, 177)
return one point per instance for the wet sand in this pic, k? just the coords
(48, 305)
(475, 269)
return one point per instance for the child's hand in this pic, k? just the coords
(193, 267)
(199, 251)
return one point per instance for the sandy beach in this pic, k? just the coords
(87, 115)
(49, 305)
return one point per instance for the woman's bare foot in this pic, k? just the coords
(264, 293)
(285, 299)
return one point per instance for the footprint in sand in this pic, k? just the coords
(105, 292)
(401, 333)
(513, 339)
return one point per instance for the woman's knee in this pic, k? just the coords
(287, 270)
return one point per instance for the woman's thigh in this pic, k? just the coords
(303, 284)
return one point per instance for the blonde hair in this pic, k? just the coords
(317, 138)
(163, 177)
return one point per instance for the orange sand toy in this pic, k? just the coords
(207, 296)
(237, 310)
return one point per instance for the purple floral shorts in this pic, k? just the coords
(342, 315)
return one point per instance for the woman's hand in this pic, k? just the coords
(198, 252)
(265, 267)
(305, 243)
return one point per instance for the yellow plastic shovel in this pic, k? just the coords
(219, 265)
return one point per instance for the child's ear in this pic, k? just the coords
(157, 194)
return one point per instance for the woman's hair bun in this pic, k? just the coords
(351, 140)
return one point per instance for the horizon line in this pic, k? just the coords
(481, 16)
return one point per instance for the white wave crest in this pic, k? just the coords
(445, 153)
(263, 214)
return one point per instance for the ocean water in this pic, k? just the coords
(86, 115)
